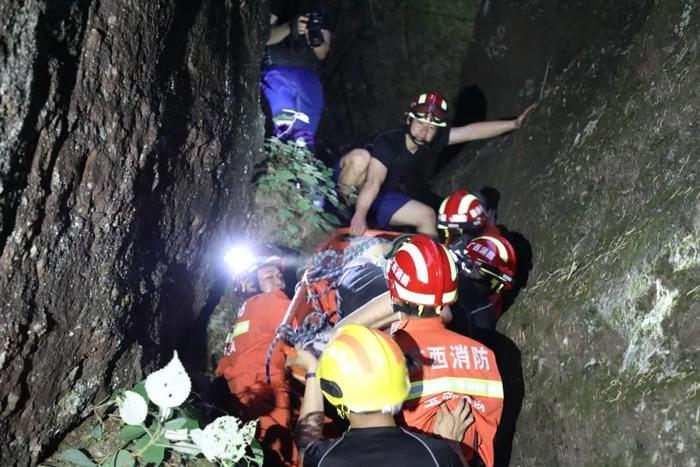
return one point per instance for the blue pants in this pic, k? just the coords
(298, 89)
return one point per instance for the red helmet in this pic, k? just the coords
(492, 257)
(429, 108)
(463, 211)
(422, 272)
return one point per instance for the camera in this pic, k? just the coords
(314, 27)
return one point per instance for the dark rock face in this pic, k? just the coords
(386, 53)
(127, 133)
(603, 182)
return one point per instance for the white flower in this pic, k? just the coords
(169, 386)
(224, 438)
(133, 408)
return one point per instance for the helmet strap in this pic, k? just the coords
(410, 135)
(496, 285)
(342, 411)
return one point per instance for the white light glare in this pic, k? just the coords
(239, 259)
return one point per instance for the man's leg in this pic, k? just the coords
(418, 215)
(279, 90)
(353, 172)
(309, 100)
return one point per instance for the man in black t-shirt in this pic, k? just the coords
(300, 36)
(382, 172)
(363, 373)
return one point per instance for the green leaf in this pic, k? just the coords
(140, 389)
(154, 455)
(142, 442)
(306, 178)
(292, 229)
(191, 424)
(330, 218)
(76, 457)
(284, 214)
(175, 423)
(130, 432)
(303, 204)
(124, 459)
(284, 174)
(258, 453)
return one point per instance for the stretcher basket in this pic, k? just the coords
(318, 296)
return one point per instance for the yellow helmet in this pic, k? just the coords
(363, 370)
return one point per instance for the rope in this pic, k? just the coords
(313, 324)
(326, 265)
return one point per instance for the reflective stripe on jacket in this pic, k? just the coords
(444, 367)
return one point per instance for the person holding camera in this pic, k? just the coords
(300, 36)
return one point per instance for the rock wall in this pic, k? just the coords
(127, 134)
(386, 53)
(603, 182)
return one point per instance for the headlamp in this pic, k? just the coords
(239, 259)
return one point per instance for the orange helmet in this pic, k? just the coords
(429, 108)
(461, 211)
(422, 272)
(491, 257)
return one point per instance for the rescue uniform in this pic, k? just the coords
(243, 367)
(443, 367)
(382, 446)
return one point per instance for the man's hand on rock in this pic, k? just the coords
(521, 117)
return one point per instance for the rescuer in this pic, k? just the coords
(487, 266)
(363, 374)
(243, 365)
(444, 366)
(461, 219)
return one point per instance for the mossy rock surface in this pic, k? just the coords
(603, 181)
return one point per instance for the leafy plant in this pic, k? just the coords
(146, 432)
(302, 184)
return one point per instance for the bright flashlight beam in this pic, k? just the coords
(239, 259)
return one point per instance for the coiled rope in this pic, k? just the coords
(312, 325)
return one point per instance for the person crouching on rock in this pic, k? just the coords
(382, 171)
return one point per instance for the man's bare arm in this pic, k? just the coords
(278, 31)
(485, 130)
(310, 425)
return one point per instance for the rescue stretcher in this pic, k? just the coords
(313, 295)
